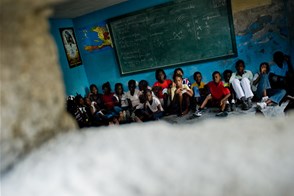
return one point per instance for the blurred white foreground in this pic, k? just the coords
(229, 157)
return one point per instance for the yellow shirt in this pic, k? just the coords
(184, 87)
(227, 84)
(202, 84)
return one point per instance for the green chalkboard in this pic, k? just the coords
(176, 33)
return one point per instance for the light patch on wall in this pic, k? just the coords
(240, 5)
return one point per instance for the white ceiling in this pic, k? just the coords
(76, 8)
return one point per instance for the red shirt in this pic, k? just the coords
(109, 101)
(217, 90)
(166, 84)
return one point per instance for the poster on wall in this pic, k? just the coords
(70, 46)
(95, 38)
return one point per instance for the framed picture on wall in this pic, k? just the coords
(70, 46)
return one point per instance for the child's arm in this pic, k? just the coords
(159, 108)
(116, 101)
(173, 91)
(224, 100)
(189, 92)
(256, 79)
(232, 77)
(130, 103)
(277, 79)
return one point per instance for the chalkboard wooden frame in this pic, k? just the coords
(233, 53)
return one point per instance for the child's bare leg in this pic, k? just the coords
(180, 103)
(205, 101)
(115, 121)
(187, 98)
(264, 93)
(165, 101)
(223, 105)
(136, 119)
(268, 102)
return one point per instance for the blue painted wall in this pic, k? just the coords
(75, 79)
(256, 44)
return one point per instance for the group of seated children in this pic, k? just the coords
(269, 86)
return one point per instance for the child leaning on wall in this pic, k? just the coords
(133, 95)
(218, 96)
(231, 103)
(95, 96)
(263, 90)
(241, 83)
(199, 91)
(281, 73)
(121, 96)
(179, 71)
(153, 106)
(161, 88)
(181, 94)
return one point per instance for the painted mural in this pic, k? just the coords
(95, 38)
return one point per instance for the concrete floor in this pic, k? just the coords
(209, 113)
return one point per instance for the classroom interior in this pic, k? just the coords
(260, 29)
(43, 151)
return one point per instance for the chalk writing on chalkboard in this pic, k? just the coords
(176, 33)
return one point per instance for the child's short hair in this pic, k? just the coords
(143, 83)
(178, 69)
(106, 85)
(196, 73)
(239, 62)
(227, 71)
(158, 71)
(177, 75)
(93, 86)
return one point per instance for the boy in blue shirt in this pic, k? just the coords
(281, 73)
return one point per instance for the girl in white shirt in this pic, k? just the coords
(133, 95)
(121, 96)
(153, 106)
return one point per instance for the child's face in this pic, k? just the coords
(240, 68)
(81, 101)
(263, 68)
(198, 78)
(132, 87)
(178, 81)
(87, 101)
(119, 90)
(94, 90)
(161, 76)
(106, 90)
(227, 77)
(216, 78)
(149, 96)
(142, 87)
